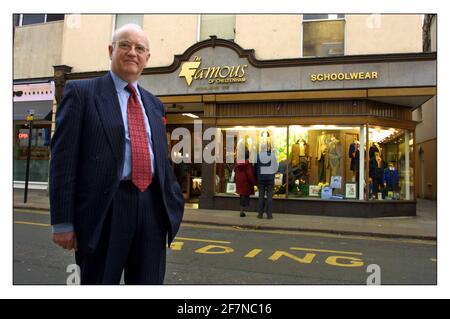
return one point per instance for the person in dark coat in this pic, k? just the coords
(266, 167)
(245, 180)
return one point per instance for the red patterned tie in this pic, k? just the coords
(141, 173)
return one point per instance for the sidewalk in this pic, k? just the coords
(422, 226)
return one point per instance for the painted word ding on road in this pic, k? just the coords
(301, 255)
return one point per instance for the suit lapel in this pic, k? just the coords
(108, 108)
(158, 133)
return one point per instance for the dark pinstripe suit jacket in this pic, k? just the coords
(88, 150)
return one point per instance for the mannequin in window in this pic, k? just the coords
(391, 178)
(321, 151)
(299, 150)
(353, 154)
(376, 172)
(300, 159)
(334, 156)
(374, 148)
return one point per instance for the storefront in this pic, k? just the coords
(37, 99)
(341, 127)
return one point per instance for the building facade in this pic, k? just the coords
(331, 93)
(426, 128)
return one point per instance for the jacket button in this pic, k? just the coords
(106, 192)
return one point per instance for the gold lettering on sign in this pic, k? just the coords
(214, 74)
(343, 76)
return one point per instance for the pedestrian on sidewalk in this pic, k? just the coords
(266, 167)
(113, 195)
(245, 181)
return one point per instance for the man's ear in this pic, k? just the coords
(110, 50)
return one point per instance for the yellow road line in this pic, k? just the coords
(327, 251)
(203, 240)
(33, 224)
(253, 253)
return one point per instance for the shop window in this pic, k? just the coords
(391, 171)
(238, 141)
(222, 26)
(323, 35)
(324, 162)
(40, 152)
(122, 19)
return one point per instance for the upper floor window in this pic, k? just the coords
(122, 19)
(222, 26)
(323, 35)
(27, 19)
(322, 16)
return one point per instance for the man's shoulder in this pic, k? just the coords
(149, 94)
(88, 84)
(155, 100)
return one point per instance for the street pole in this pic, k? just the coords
(27, 172)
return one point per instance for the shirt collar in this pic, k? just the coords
(121, 84)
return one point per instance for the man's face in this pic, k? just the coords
(129, 55)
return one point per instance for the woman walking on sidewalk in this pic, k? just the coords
(245, 180)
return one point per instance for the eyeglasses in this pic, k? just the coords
(126, 46)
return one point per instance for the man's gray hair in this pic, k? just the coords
(129, 26)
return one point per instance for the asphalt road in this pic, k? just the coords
(207, 255)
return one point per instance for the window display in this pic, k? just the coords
(390, 165)
(322, 171)
(323, 162)
(238, 141)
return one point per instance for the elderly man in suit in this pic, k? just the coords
(113, 195)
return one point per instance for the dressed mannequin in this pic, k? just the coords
(374, 148)
(353, 154)
(334, 156)
(300, 160)
(295, 154)
(391, 178)
(376, 171)
(304, 148)
(321, 151)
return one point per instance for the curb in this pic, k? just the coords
(315, 230)
(25, 206)
(298, 229)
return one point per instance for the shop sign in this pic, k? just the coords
(224, 74)
(344, 76)
(23, 136)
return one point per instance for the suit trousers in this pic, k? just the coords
(133, 240)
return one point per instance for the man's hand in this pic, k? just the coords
(66, 240)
